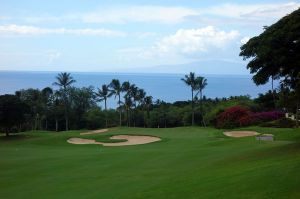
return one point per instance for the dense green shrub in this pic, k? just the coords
(95, 118)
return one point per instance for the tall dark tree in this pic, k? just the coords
(33, 98)
(57, 108)
(190, 80)
(141, 94)
(103, 94)
(47, 99)
(116, 90)
(136, 94)
(201, 83)
(128, 105)
(12, 112)
(148, 103)
(127, 100)
(276, 52)
(82, 99)
(64, 81)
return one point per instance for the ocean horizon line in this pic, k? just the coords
(125, 73)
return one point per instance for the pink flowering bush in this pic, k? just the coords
(238, 117)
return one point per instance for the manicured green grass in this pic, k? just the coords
(188, 163)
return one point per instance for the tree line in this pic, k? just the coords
(69, 107)
(45, 108)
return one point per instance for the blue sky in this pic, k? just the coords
(132, 36)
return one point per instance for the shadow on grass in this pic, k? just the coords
(262, 154)
(15, 136)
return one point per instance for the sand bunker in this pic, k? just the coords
(81, 141)
(130, 140)
(238, 134)
(94, 132)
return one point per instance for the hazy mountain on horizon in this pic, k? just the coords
(204, 67)
(200, 67)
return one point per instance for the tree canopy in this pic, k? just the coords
(276, 52)
(12, 112)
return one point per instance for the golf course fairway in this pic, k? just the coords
(188, 162)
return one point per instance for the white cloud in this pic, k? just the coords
(142, 35)
(139, 14)
(53, 55)
(4, 18)
(28, 59)
(43, 19)
(188, 41)
(184, 43)
(172, 15)
(13, 30)
(253, 11)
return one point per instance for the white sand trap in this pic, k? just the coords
(238, 134)
(94, 132)
(130, 140)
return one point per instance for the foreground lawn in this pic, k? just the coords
(188, 163)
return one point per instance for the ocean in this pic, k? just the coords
(167, 87)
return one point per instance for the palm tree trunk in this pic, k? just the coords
(6, 132)
(56, 124)
(201, 108)
(105, 113)
(144, 117)
(127, 115)
(67, 122)
(133, 115)
(46, 125)
(120, 112)
(66, 108)
(35, 122)
(193, 114)
(297, 113)
(273, 94)
(148, 117)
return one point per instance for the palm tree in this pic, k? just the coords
(56, 107)
(127, 99)
(201, 83)
(190, 80)
(64, 81)
(134, 94)
(140, 96)
(47, 95)
(148, 102)
(126, 86)
(103, 94)
(116, 90)
(128, 104)
(140, 99)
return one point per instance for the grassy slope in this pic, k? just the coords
(187, 163)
